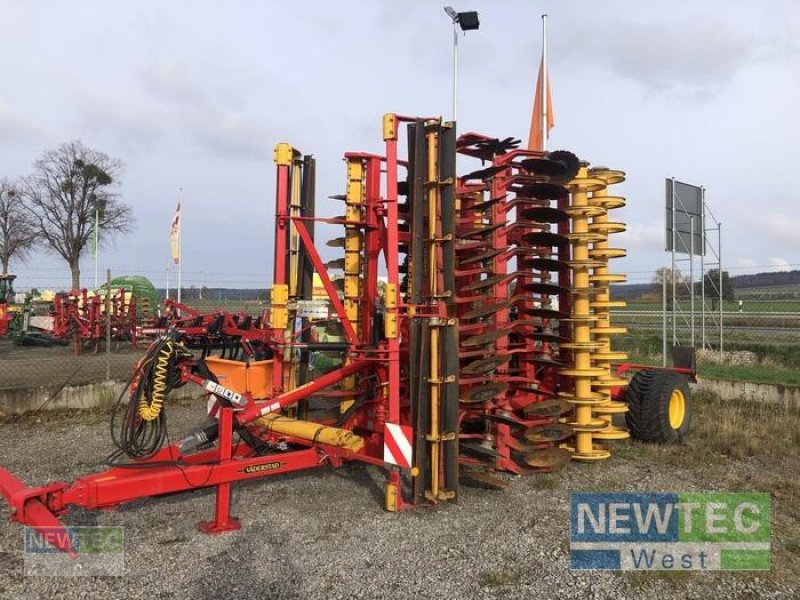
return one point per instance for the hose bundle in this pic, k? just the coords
(140, 427)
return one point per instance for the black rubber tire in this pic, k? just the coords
(648, 397)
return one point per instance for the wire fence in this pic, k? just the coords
(753, 335)
(224, 290)
(51, 343)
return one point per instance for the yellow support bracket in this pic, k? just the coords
(442, 437)
(389, 126)
(392, 497)
(283, 154)
(390, 317)
(280, 314)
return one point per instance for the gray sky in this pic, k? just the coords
(196, 94)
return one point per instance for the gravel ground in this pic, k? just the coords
(324, 534)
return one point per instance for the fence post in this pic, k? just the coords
(692, 250)
(719, 273)
(664, 320)
(108, 324)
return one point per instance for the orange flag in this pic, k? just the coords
(537, 136)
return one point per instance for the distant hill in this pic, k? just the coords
(781, 278)
(631, 291)
(782, 285)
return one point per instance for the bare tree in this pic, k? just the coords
(17, 234)
(66, 187)
(670, 277)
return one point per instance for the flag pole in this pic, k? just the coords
(545, 83)
(96, 224)
(180, 240)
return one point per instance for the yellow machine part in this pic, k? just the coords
(283, 154)
(389, 126)
(280, 314)
(313, 432)
(353, 249)
(602, 304)
(582, 371)
(390, 317)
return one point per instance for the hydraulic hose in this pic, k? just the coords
(149, 411)
(139, 427)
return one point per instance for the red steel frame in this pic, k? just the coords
(228, 463)
(39, 506)
(501, 237)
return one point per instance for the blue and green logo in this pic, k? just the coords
(667, 531)
(82, 540)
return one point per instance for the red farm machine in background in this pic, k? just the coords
(476, 338)
(87, 320)
(227, 335)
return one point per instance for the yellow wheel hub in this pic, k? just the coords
(677, 409)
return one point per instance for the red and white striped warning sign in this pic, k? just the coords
(397, 445)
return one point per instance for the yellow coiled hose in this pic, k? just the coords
(149, 410)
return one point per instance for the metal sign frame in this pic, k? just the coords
(686, 232)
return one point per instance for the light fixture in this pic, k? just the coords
(468, 21)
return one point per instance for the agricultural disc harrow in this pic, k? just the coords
(469, 329)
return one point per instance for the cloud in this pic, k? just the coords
(200, 97)
(14, 127)
(780, 264)
(779, 228)
(689, 59)
(192, 110)
(112, 117)
(641, 236)
(744, 264)
(232, 135)
(194, 84)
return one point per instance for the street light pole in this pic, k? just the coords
(467, 21)
(455, 68)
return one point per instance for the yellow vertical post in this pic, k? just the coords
(294, 255)
(294, 238)
(583, 398)
(601, 280)
(432, 180)
(436, 377)
(353, 247)
(354, 200)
